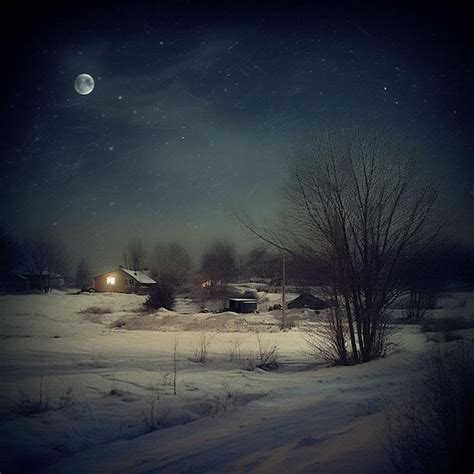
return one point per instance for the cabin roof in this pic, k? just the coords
(139, 276)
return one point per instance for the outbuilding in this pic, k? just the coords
(242, 305)
(124, 280)
(44, 281)
(14, 282)
(307, 300)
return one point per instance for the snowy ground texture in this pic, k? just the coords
(91, 390)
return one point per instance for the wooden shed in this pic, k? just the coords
(242, 305)
(123, 280)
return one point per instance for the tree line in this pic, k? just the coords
(169, 263)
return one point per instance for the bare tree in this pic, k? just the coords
(44, 256)
(171, 263)
(427, 276)
(356, 202)
(219, 262)
(260, 262)
(83, 274)
(134, 255)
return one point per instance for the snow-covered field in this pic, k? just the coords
(93, 391)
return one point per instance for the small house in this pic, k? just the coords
(242, 305)
(123, 280)
(307, 300)
(44, 281)
(13, 283)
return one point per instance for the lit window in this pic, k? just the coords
(110, 280)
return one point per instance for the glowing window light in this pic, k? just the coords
(110, 280)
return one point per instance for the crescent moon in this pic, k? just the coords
(84, 84)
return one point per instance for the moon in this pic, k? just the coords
(84, 84)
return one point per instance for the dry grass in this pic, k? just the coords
(155, 415)
(266, 357)
(97, 310)
(201, 353)
(28, 405)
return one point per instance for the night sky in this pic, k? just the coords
(196, 106)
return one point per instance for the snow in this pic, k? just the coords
(141, 277)
(303, 417)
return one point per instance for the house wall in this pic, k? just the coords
(124, 283)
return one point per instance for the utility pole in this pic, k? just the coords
(283, 293)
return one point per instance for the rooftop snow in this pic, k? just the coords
(141, 277)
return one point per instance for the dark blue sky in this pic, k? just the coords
(196, 106)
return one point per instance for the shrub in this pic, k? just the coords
(29, 406)
(326, 340)
(267, 355)
(163, 296)
(418, 305)
(115, 392)
(216, 297)
(118, 323)
(265, 359)
(66, 399)
(234, 352)
(155, 415)
(201, 353)
(26, 406)
(249, 364)
(251, 294)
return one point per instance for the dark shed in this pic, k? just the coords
(307, 300)
(242, 305)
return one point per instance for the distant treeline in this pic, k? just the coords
(440, 267)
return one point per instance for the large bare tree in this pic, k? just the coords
(171, 264)
(134, 255)
(262, 263)
(356, 203)
(219, 262)
(45, 257)
(83, 274)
